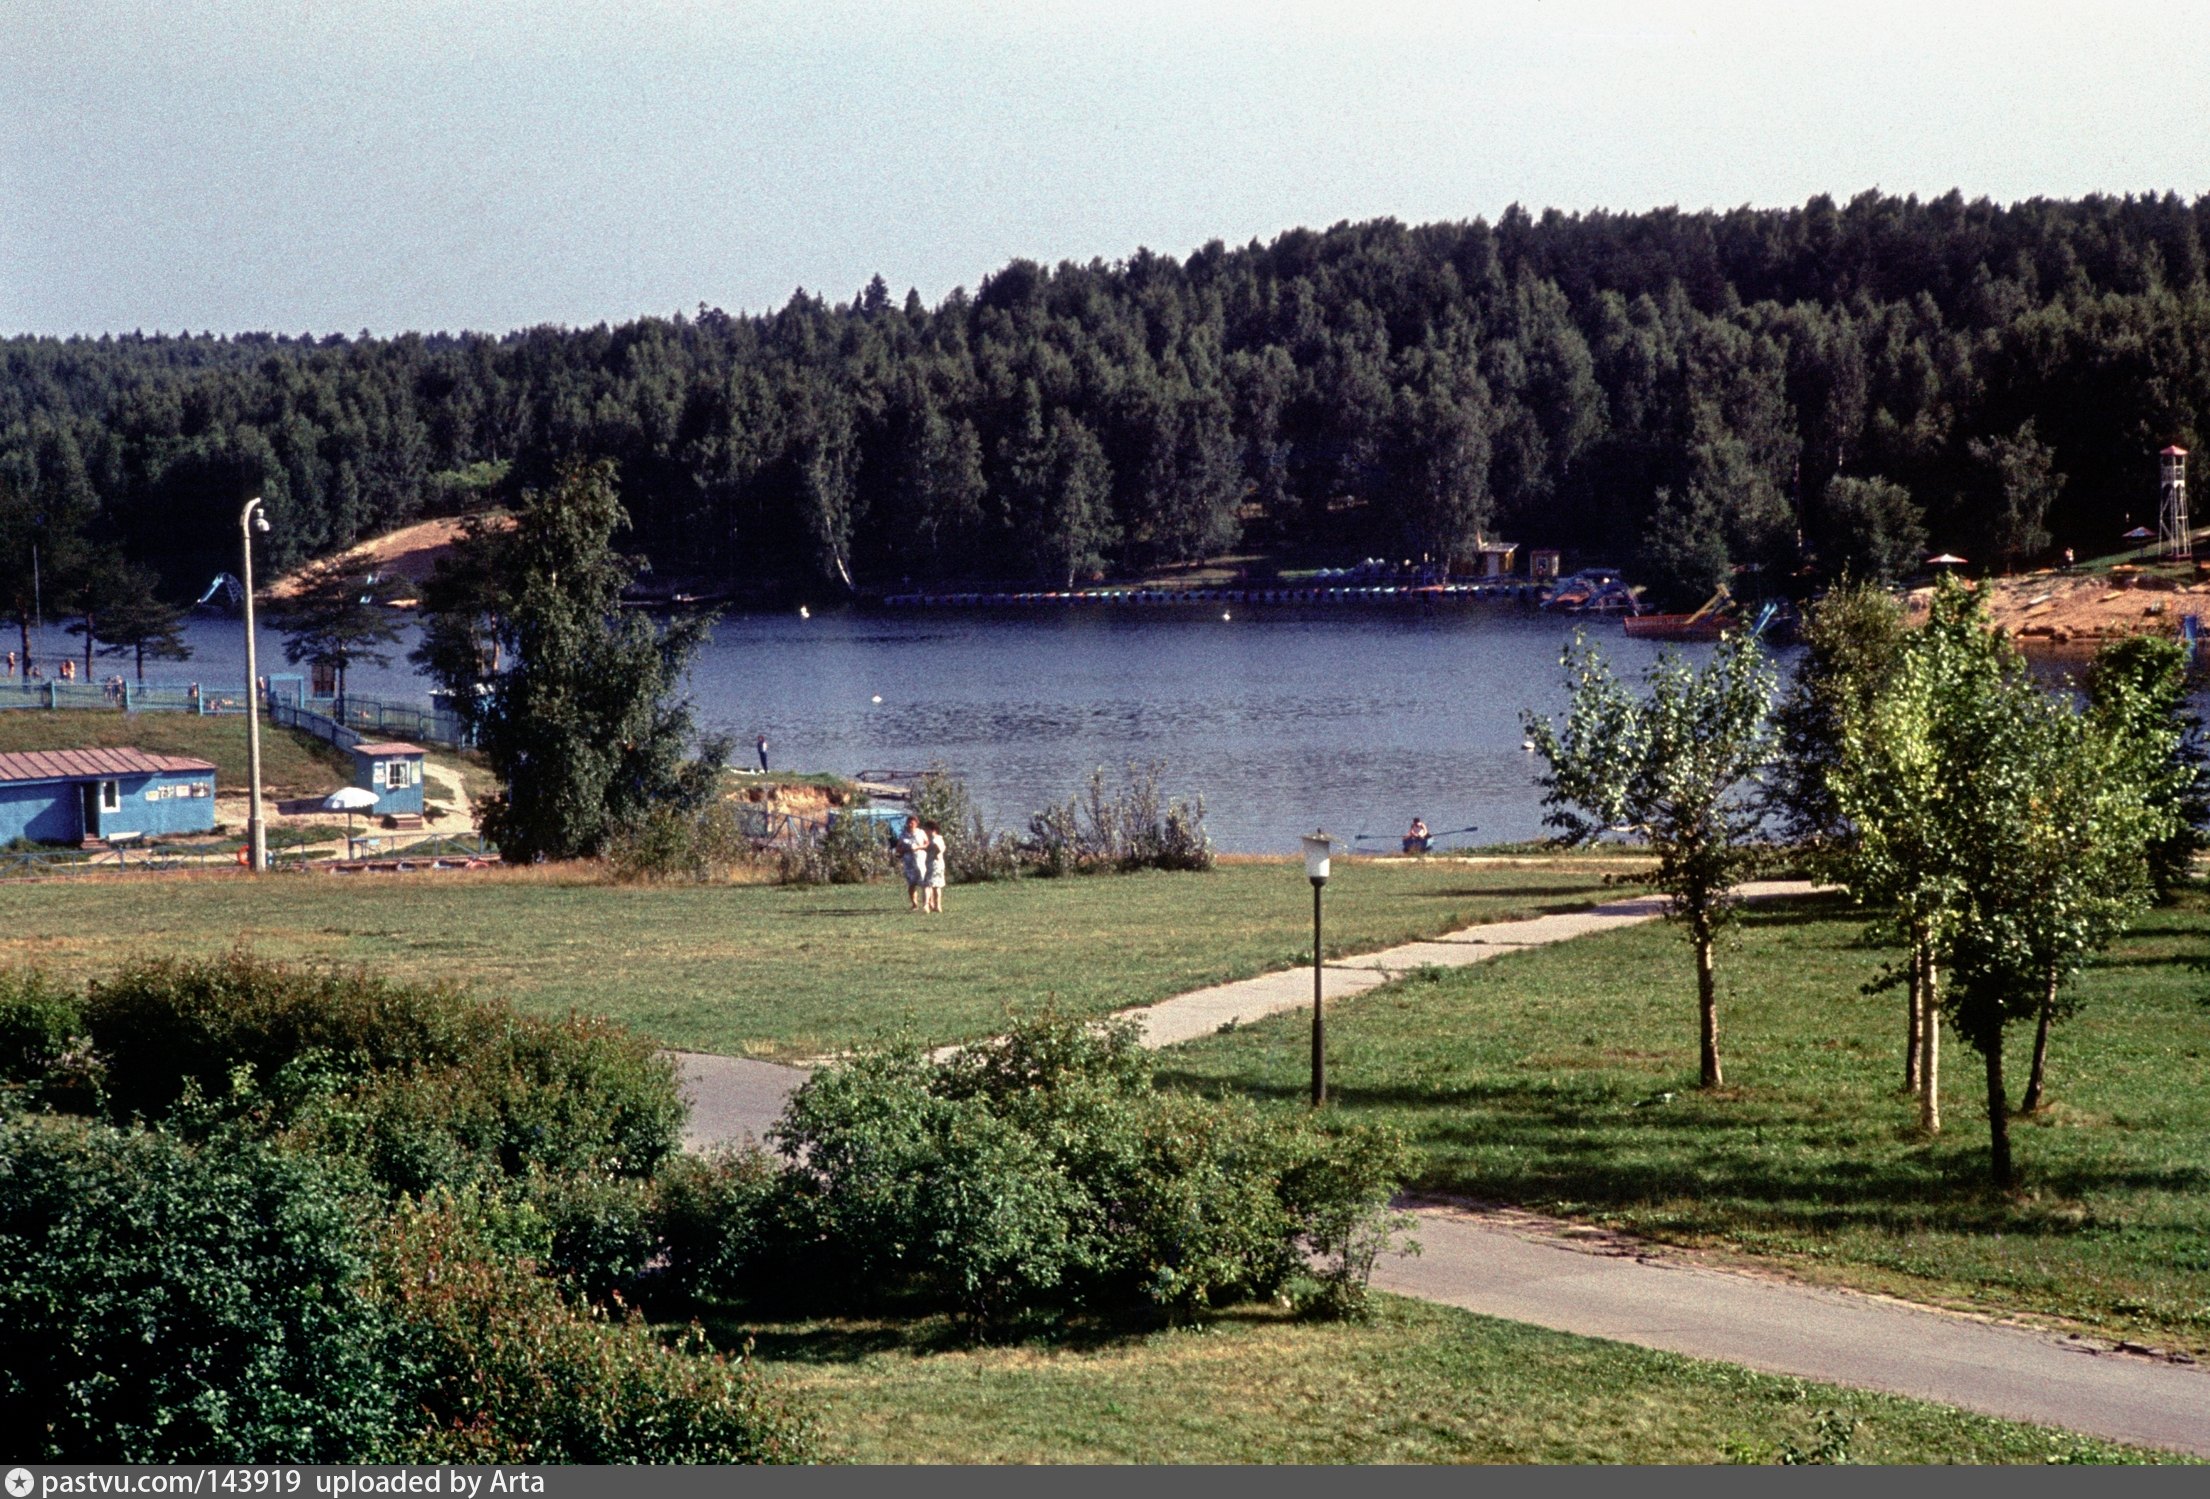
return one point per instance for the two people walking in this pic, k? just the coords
(921, 849)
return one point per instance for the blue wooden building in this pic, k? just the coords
(70, 796)
(393, 771)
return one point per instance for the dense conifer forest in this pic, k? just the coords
(1806, 390)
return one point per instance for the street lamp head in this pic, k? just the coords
(1318, 846)
(260, 523)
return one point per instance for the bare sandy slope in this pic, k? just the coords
(2050, 609)
(409, 552)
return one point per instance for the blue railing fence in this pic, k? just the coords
(346, 720)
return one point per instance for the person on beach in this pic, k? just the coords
(934, 872)
(762, 747)
(1416, 840)
(913, 853)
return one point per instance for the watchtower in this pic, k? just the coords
(2174, 538)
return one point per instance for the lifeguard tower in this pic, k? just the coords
(2174, 537)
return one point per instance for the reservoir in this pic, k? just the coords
(1284, 719)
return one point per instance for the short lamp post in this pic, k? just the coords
(1317, 848)
(250, 520)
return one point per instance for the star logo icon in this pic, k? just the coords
(19, 1483)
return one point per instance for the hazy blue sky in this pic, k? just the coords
(299, 165)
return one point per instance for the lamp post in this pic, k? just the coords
(250, 520)
(1317, 848)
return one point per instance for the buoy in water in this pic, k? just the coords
(876, 698)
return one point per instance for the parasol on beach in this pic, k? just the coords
(349, 800)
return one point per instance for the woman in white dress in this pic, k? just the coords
(913, 853)
(935, 869)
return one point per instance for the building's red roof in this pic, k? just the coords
(387, 748)
(2175, 450)
(85, 764)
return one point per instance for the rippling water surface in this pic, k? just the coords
(1282, 719)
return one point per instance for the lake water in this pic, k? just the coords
(1283, 719)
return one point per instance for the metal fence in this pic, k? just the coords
(342, 721)
(131, 697)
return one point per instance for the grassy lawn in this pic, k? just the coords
(1419, 1384)
(292, 764)
(1564, 1080)
(792, 971)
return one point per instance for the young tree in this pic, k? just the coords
(582, 724)
(335, 616)
(1892, 791)
(2054, 829)
(1676, 767)
(2143, 679)
(1853, 640)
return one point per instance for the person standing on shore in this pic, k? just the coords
(762, 747)
(934, 871)
(913, 853)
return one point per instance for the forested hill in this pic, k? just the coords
(1675, 390)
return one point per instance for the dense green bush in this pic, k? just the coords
(424, 1084)
(601, 1232)
(723, 1222)
(504, 1370)
(45, 1059)
(1043, 1172)
(161, 1302)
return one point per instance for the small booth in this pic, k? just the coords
(393, 773)
(76, 796)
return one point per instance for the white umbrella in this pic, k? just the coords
(349, 800)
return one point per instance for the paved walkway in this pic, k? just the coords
(1565, 1276)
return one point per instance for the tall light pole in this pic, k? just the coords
(1318, 846)
(250, 520)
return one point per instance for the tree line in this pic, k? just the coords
(1830, 387)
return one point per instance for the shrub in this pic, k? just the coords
(1042, 1170)
(425, 1085)
(722, 1222)
(44, 1056)
(679, 843)
(600, 1232)
(572, 1096)
(167, 1023)
(973, 851)
(1133, 827)
(503, 1370)
(847, 851)
(161, 1303)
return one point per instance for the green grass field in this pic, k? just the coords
(786, 971)
(292, 764)
(1418, 1384)
(1565, 1080)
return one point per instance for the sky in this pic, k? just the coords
(317, 166)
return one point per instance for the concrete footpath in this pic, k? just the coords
(1564, 1276)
